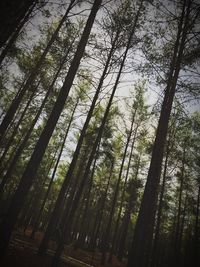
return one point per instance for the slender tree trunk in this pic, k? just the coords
(82, 235)
(17, 113)
(108, 227)
(35, 225)
(49, 91)
(66, 228)
(182, 230)
(9, 221)
(12, 12)
(36, 189)
(196, 257)
(34, 205)
(69, 195)
(123, 234)
(45, 218)
(99, 214)
(16, 117)
(11, 139)
(24, 212)
(71, 188)
(159, 215)
(23, 144)
(127, 216)
(17, 100)
(155, 257)
(178, 223)
(16, 33)
(142, 241)
(123, 194)
(73, 192)
(72, 166)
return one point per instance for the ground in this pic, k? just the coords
(23, 252)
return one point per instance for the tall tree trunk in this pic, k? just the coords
(178, 222)
(12, 13)
(72, 166)
(116, 192)
(71, 189)
(196, 257)
(182, 230)
(17, 100)
(16, 127)
(82, 234)
(72, 194)
(142, 240)
(36, 222)
(127, 216)
(99, 214)
(24, 214)
(23, 144)
(16, 33)
(17, 113)
(113, 243)
(66, 227)
(123, 233)
(155, 247)
(34, 204)
(9, 221)
(159, 215)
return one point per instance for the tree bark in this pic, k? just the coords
(19, 197)
(159, 215)
(196, 257)
(122, 198)
(178, 222)
(16, 127)
(20, 149)
(73, 163)
(17, 100)
(36, 222)
(66, 227)
(36, 187)
(99, 214)
(142, 240)
(82, 234)
(116, 192)
(16, 33)
(12, 13)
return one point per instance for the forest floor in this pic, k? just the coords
(23, 253)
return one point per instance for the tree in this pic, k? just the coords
(30, 171)
(70, 171)
(141, 246)
(13, 14)
(18, 98)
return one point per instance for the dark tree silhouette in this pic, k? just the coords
(19, 197)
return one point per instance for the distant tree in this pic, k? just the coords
(142, 241)
(9, 221)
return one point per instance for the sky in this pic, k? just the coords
(128, 79)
